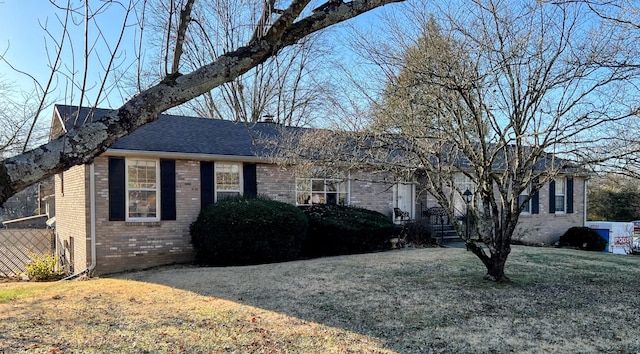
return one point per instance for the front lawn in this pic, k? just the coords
(406, 301)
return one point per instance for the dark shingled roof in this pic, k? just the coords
(191, 135)
(182, 134)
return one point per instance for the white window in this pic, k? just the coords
(321, 191)
(227, 180)
(142, 190)
(560, 195)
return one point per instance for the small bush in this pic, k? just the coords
(417, 233)
(337, 229)
(240, 231)
(42, 268)
(584, 238)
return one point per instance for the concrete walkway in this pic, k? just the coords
(456, 244)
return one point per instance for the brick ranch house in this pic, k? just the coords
(131, 208)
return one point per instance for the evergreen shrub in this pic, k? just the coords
(338, 229)
(584, 238)
(241, 231)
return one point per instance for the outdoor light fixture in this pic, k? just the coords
(467, 196)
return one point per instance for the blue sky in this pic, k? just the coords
(21, 38)
(22, 42)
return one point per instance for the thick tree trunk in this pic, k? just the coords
(495, 266)
(494, 262)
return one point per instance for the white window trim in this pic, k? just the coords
(525, 193)
(563, 194)
(215, 180)
(345, 182)
(157, 190)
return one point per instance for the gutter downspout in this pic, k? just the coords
(92, 227)
(584, 201)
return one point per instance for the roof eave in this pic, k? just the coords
(57, 127)
(183, 155)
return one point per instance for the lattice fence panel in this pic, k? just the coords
(16, 245)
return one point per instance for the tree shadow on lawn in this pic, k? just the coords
(428, 300)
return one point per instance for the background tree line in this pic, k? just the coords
(613, 198)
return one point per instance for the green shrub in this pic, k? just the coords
(240, 231)
(43, 267)
(338, 229)
(584, 238)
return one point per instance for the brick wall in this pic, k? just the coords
(371, 191)
(365, 190)
(276, 182)
(545, 228)
(136, 245)
(124, 246)
(72, 221)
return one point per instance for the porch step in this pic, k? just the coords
(445, 233)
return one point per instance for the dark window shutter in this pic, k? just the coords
(535, 199)
(552, 197)
(168, 189)
(569, 195)
(206, 184)
(117, 191)
(249, 177)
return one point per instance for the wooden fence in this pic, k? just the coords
(17, 245)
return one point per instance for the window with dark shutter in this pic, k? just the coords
(552, 197)
(227, 180)
(142, 181)
(206, 184)
(570, 195)
(559, 195)
(535, 199)
(524, 201)
(116, 189)
(249, 177)
(167, 189)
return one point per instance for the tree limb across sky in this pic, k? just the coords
(92, 138)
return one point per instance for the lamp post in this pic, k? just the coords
(467, 198)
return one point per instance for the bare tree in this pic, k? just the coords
(504, 95)
(17, 110)
(83, 144)
(286, 87)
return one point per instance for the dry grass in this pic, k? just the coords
(408, 301)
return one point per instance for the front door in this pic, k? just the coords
(404, 198)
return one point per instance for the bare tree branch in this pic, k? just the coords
(83, 144)
(185, 19)
(505, 98)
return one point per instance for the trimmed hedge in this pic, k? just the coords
(241, 231)
(584, 238)
(338, 229)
